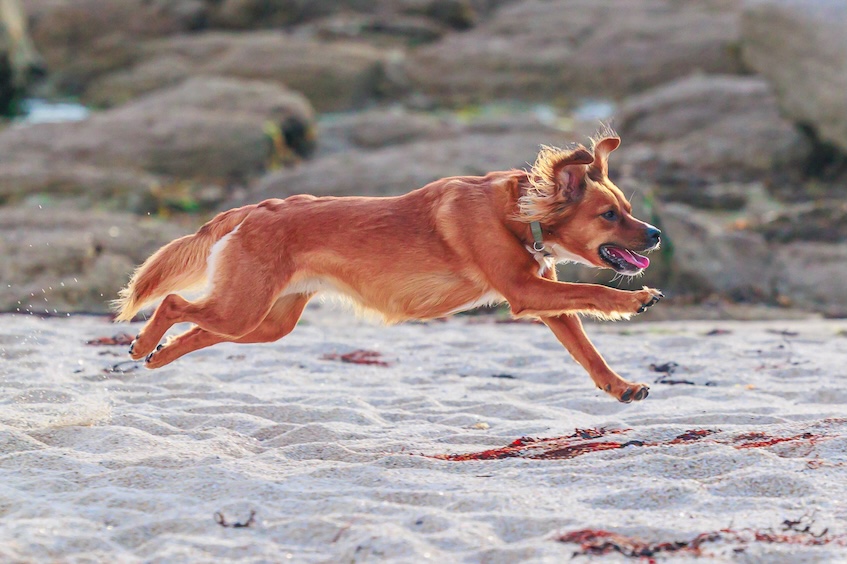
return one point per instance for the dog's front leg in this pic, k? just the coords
(568, 329)
(538, 297)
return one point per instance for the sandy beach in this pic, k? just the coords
(466, 440)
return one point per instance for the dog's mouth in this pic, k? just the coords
(623, 261)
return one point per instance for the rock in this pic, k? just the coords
(372, 129)
(206, 130)
(823, 221)
(333, 76)
(800, 47)
(393, 170)
(35, 180)
(812, 276)
(710, 256)
(707, 129)
(263, 100)
(124, 86)
(101, 52)
(384, 29)
(562, 49)
(253, 14)
(54, 261)
(83, 39)
(764, 264)
(20, 63)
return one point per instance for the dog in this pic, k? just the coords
(453, 245)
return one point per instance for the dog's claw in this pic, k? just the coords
(132, 344)
(149, 357)
(632, 395)
(653, 301)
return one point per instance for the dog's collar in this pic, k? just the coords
(538, 240)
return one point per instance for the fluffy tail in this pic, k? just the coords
(179, 265)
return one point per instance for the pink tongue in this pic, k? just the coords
(630, 257)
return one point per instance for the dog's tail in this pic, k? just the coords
(179, 265)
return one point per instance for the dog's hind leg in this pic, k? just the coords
(279, 322)
(568, 329)
(244, 290)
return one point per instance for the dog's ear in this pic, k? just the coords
(602, 148)
(570, 171)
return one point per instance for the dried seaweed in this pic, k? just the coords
(121, 339)
(358, 357)
(585, 441)
(794, 531)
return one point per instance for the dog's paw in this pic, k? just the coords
(647, 297)
(152, 360)
(137, 349)
(142, 346)
(634, 392)
(627, 392)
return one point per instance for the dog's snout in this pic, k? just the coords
(653, 236)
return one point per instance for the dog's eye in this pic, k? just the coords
(611, 215)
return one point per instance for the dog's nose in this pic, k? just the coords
(653, 236)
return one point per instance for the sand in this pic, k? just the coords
(344, 462)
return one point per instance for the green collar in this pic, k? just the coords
(537, 235)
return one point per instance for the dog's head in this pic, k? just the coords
(584, 216)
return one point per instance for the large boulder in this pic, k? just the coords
(800, 46)
(20, 63)
(54, 261)
(710, 255)
(396, 169)
(82, 39)
(332, 75)
(252, 14)
(810, 249)
(207, 130)
(768, 262)
(708, 129)
(41, 180)
(380, 127)
(548, 50)
(812, 276)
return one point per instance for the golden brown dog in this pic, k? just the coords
(450, 246)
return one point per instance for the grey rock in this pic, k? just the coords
(706, 129)
(394, 170)
(83, 39)
(563, 49)
(333, 76)
(711, 256)
(800, 46)
(20, 62)
(812, 276)
(54, 261)
(207, 130)
(376, 128)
